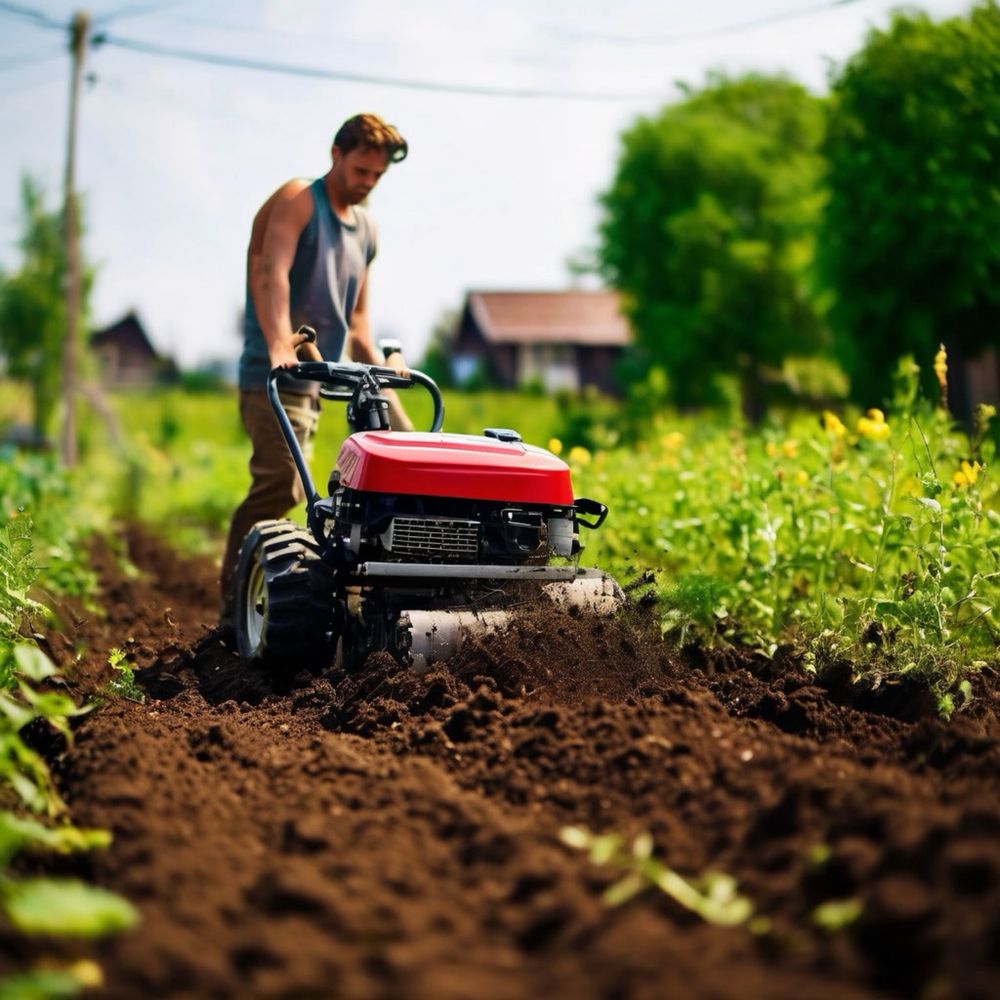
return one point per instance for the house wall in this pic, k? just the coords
(556, 366)
(553, 365)
(596, 367)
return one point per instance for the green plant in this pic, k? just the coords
(836, 914)
(713, 896)
(123, 685)
(38, 905)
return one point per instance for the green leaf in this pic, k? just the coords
(18, 714)
(836, 914)
(45, 984)
(624, 889)
(33, 663)
(66, 907)
(17, 834)
(51, 704)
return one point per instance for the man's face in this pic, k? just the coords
(357, 172)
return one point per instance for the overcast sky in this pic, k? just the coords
(497, 193)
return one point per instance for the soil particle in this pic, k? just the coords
(390, 833)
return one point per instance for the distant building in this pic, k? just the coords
(562, 340)
(127, 356)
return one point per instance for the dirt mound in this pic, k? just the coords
(395, 834)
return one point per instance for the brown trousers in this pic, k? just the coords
(275, 487)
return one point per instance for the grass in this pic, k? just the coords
(856, 535)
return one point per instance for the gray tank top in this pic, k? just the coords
(330, 263)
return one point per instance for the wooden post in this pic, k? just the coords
(71, 223)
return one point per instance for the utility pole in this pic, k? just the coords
(71, 221)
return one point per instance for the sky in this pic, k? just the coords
(498, 191)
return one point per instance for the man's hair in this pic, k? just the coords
(371, 132)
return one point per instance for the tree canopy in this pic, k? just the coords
(33, 305)
(709, 229)
(910, 229)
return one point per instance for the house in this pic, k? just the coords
(126, 355)
(562, 340)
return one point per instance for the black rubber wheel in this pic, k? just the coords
(284, 607)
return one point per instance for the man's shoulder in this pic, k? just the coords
(294, 186)
(294, 192)
(290, 204)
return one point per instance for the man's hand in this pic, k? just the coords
(282, 355)
(395, 361)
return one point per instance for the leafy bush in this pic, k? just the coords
(38, 905)
(872, 537)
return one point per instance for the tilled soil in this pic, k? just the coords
(393, 835)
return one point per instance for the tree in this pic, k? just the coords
(910, 229)
(33, 306)
(708, 229)
(438, 355)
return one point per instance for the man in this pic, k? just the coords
(310, 249)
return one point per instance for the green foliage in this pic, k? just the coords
(836, 914)
(65, 907)
(713, 896)
(51, 984)
(909, 231)
(17, 573)
(436, 361)
(18, 834)
(708, 230)
(32, 305)
(871, 541)
(22, 769)
(39, 905)
(38, 497)
(123, 685)
(693, 604)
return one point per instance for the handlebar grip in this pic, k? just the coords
(304, 341)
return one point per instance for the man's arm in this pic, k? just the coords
(275, 236)
(361, 347)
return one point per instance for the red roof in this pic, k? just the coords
(575, 317)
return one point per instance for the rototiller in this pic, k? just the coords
(424, 539)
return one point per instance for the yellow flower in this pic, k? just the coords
(873, 426)
(578, 455)
(802, 477)
(555, 446)
(832, 424)
(966, 474)
(787, 449)
(673, 440)
(941, 366)
(87, 973)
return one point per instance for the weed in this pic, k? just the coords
(124, 684)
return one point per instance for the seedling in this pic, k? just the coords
(712, 896)
(124, 684)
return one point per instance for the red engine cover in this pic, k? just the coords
(453, 465)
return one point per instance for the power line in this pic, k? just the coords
(39, 17)
(288, 69)
(135, 10)
(718, 32)
(43, 20)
